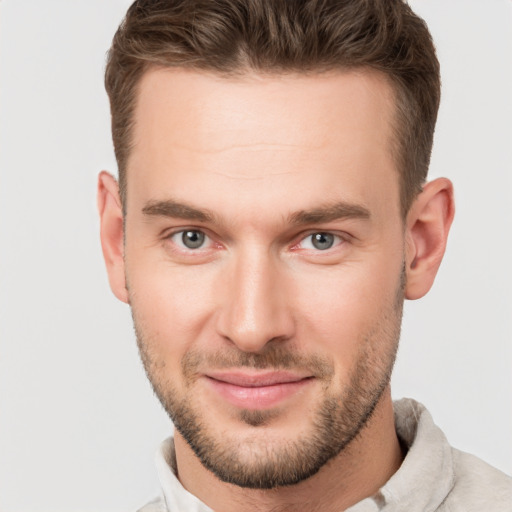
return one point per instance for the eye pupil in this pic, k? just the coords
(192, 239)
(322, 241)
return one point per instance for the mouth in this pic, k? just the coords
(257, 390)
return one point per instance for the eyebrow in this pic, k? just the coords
(177, 210)
(329, 213)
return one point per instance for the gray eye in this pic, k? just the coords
(322, 241)
(192, 239)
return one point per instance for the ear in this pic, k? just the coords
(111, 233)
(428, 223)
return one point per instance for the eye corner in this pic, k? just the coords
(190, 242)
(319, 241)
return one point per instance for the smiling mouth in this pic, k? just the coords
(257, 391)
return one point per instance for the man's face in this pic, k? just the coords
(264, 254)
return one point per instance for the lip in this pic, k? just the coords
(261, 390)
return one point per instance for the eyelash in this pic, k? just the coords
(171, 236)
(338, 240)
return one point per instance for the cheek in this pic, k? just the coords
(341, 307)
(171, 305)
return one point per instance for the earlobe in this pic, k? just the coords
(428, 225)
(111, 233)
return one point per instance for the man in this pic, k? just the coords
(271, 216)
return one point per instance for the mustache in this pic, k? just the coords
(272, 358)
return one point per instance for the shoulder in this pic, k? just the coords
(478, 486)
(157, 505)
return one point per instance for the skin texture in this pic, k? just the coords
(259, 165)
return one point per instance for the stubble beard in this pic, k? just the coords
(337, 421)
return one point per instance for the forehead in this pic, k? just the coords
(278, 131)
(269, 107)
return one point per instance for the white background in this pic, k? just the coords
(78, 422)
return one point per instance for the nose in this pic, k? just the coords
(255, 307)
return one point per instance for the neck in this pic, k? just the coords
(357, 472)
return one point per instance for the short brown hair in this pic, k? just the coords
(280, 36)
